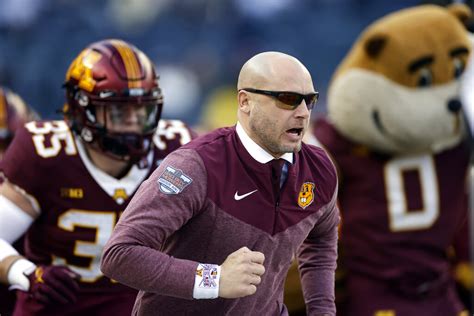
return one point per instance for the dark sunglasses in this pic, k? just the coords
(289, 100)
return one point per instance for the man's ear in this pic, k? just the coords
(244, 104)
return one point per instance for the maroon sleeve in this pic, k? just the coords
(317, 262)
(132, 255)
(20, 162)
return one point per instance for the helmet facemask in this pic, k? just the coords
(122, 130)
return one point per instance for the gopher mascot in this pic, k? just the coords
(395, 132)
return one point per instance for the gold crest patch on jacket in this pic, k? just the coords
(306, 195)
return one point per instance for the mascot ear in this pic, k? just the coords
(375, 44)
(461, 11)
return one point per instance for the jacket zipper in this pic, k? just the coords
(277, 207)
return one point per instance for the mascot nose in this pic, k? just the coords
(454, 105)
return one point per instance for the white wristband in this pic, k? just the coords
(16, 274)
(206, 282)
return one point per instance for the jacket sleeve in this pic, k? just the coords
(317, 262)
(173, 194)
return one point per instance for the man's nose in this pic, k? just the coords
(302, 110)
(132, 115)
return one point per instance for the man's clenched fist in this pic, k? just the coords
(241, 273)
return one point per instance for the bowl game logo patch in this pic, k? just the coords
(173, 181)
(306, 195)
(208, 275)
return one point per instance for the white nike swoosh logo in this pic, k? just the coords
(105, 94)
(238, 197)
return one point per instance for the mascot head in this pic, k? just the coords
(397, 90)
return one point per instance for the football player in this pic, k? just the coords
(67, 182)
(13, 114)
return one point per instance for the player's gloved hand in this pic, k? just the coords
(53, 284)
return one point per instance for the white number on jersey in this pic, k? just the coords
(103, 223)
(60, 132)
(400, 217)
(170, 129)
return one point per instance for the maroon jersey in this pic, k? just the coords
(400, 215)
(210, 198)
(79, 204)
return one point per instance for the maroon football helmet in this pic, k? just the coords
(108, 80)
(13, 113)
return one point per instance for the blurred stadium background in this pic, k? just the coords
(197, 45)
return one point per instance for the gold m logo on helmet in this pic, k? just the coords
(306, 195)
(81, 69)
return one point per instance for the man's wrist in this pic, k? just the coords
(17, 274)
(206, 281)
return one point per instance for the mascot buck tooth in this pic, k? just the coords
(395, 131)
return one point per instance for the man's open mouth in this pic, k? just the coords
(295, 131)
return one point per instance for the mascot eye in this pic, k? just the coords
(459, 66)
(426, 77)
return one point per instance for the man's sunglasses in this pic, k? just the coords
(289, 100)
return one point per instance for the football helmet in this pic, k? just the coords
(13, 113)
(106, 82)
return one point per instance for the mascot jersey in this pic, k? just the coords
(399, 213)
(79, 203)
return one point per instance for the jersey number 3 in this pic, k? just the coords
(103, 223)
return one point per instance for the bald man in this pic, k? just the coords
(214, 230)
